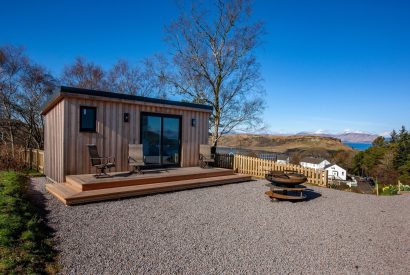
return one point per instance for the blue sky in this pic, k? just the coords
(327, 65)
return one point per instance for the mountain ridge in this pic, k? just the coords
(282, 143)
(346, 137)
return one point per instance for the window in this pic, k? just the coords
(88, 119)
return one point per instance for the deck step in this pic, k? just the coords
(68, 197)
(122, 179)
(147, 189)
(73, 184)
(60, 191)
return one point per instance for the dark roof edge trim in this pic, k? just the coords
(64, 89)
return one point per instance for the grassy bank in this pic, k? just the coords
(24, 239)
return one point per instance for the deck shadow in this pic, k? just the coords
(38, 201)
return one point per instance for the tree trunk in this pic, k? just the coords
(11, 140)
(215, 135)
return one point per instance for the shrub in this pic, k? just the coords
(339, 186)
(24, 241)
(10, 161)
(405, 188)
(389, 190)
(251, 154)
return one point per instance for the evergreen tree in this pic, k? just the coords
(379, 142)
(403, 148)
(393, 136)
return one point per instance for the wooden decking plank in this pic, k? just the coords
(60, 191)
(130, 180)
(73, 184)
(129, 191)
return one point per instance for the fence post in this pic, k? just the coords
(30, 158)
(377, 188)
(37, 160)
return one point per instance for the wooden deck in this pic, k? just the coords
(86, 188)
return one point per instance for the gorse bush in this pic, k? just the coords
(24, 239)
(389, 190)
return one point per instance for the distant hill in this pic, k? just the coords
(285, 144)
(352, 137)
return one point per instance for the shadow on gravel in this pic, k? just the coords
(38, 200)
(311, 194)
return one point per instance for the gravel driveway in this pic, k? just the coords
(233, 229)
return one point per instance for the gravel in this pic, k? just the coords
(233, 229)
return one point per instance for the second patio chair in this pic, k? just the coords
(205, 156)
(136, 157)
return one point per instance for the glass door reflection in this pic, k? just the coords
(170, 140)
(161, 139)
(151, 139)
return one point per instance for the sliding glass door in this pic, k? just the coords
(161, 139)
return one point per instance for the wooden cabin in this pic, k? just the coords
(170, 131)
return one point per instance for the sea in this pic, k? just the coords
(359, 146)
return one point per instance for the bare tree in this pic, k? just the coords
(36, 86)
(24, 87)
(213, 54)
(12, 62)
(140, 79)
(84, 74)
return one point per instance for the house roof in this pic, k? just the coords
(312, 160)
(333, 164)
(282, 157)
(62, 91)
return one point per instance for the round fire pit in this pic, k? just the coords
(285, 178)
(284, 182)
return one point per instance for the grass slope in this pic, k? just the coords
(24, 239)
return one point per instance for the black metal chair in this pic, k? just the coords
(100, 163)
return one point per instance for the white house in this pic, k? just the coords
(315, 163)
(335, 172)
(282, 159)
(279, 158)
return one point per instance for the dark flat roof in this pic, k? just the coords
(72, 90)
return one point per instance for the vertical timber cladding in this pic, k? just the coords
(54, 142)
(112, 135)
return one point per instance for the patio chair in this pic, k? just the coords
(100, 163)
(205, 155)
(136, 157)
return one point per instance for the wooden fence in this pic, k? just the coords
(35, 159)
(224, 160)
(258, 167)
